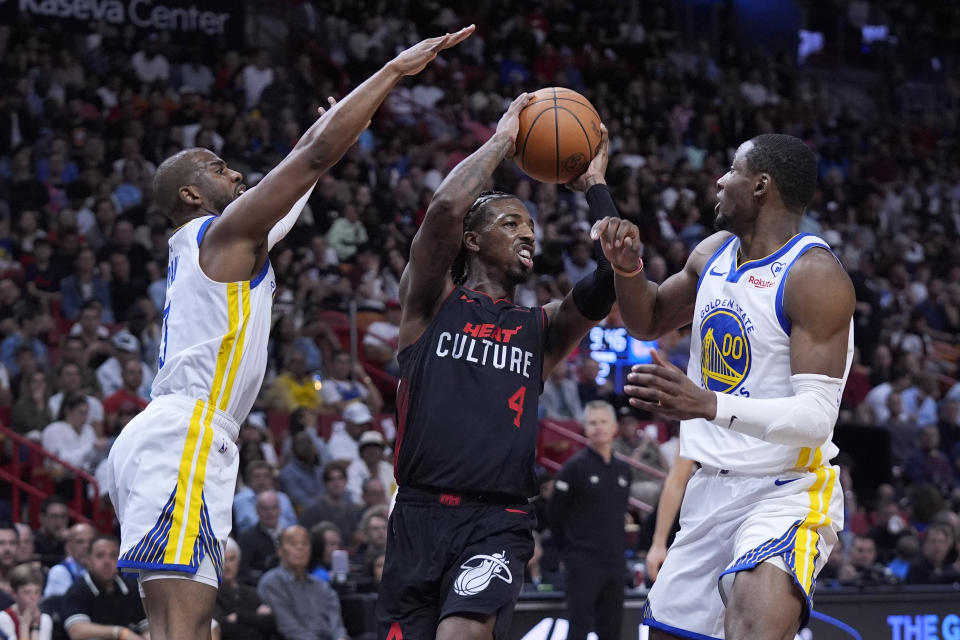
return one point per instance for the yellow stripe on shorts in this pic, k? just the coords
(184, 480)
(193, 464)
(808, 536)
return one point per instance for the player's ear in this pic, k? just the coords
(470, 241)
(763, 184)
(190, 195)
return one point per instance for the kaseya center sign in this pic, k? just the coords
(212, 18)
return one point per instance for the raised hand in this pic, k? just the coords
(664, 389)
(413, 60)
(509, 124)
(620, 241)
(597, 169)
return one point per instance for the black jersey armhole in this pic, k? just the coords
(443, 306)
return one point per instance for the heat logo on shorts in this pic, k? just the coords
(479, 571)
(724, 351)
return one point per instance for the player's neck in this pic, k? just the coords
(494, 289)
(767, 234)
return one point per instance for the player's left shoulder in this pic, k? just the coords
(819, 269)
(817, 282)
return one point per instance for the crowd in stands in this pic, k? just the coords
(86, 116)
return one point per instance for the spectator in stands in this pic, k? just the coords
(93, 335)
(258, 543)
(125, 289)
(927, 464)
(126, 348)
(645, 485)
(305, 420)
(302, 477)
(25, 550)
(9, 540)
(258, 476)
(334, 505)
(127, 399)
(148, 63)
(560, 399)
(932, 567)
(900, 379)
(31, 413)
(32, 322)
(49, 539)
(587, 388)
(83, 285)
(381, 339)
(370, 464)
(373, 528)
(295, 387)
(374, 494)
(863, 557)
(907, 553)
(72, 439)
(256, 77)
(62, 576)
(357, 419)
(240, 612)
(76, 352)
(70, 382)
(23, 620)
(903, 434)
(339, 391)
(347, 233)
(102, 604)
(325, 538)
(305, 607)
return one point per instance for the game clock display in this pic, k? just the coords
(616, 351)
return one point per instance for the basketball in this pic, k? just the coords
(559, 135)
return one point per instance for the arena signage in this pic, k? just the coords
(931, 613)
(216, 18)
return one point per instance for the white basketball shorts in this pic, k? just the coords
(174, 471)
(731, 523)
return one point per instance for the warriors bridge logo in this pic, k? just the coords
(724, 351)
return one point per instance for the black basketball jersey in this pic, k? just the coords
(467, 403)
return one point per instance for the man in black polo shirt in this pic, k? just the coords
(102, 604)
(587, 515)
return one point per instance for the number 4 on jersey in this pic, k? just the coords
(515, 403)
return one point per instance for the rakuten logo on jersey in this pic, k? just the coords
(760, 283)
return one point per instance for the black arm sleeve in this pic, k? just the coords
(601, 203)
(595, 294)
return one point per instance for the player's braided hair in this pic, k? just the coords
(476, 214)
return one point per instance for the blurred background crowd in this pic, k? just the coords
(88, 113)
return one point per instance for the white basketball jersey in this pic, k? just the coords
(213, 344)
(740, 344)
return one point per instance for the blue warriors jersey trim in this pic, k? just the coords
(736, 272)
(203, 230)
(781, 314)
(708, 267)
(653, 623)
(260, 276)
(148, 554)
(725, 356)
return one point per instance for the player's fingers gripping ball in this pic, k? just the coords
(559, 135)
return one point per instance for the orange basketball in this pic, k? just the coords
(559, 135)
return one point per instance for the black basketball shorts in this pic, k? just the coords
(448, 555)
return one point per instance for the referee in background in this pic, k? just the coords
(587, 515)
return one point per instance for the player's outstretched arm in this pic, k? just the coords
(671, 497)
(427, 280)
(251, 217)
(650, 310)
(819, 303)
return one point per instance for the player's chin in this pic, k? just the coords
(720, 220)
